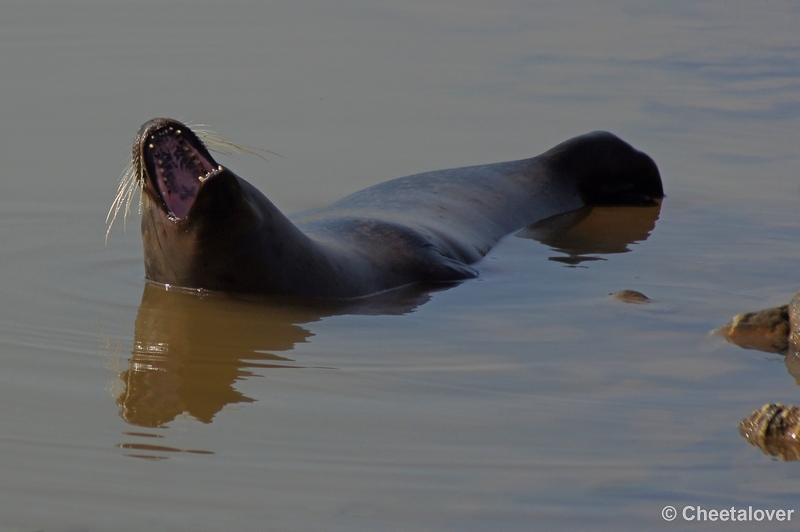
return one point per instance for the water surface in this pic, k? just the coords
(524, 400)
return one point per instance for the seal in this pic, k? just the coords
(203, 227)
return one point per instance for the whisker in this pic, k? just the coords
(216, 144)
(128, 184)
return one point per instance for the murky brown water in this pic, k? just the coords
(525, 400)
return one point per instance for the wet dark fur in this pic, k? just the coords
(429, 227)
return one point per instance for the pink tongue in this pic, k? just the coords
(178, 167)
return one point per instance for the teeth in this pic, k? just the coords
(202, 178)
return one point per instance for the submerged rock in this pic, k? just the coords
(774, 428)
(766, 330)
(631, 296)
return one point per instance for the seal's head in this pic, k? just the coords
(186, 196)
(202, 225)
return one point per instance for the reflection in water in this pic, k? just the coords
(190, 348)
(792, 362)
(775, 429)
(592, 231)
(156, 449)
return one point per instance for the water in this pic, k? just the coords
(524, 400)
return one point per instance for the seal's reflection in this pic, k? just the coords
(585, 233)
(190, 349)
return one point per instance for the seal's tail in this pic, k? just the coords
(608, 170)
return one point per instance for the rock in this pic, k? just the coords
(631, 296)
(775, 429)
(765, 330)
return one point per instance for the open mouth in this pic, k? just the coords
(177, 163)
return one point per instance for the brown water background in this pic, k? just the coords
(524, 400)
